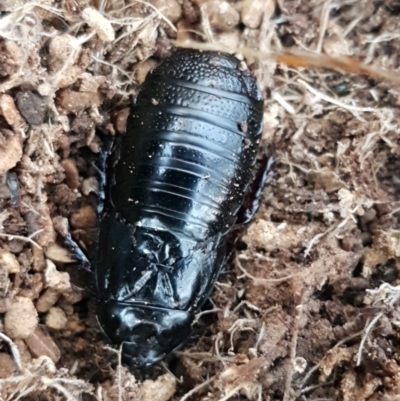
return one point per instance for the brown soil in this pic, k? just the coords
(309, 309)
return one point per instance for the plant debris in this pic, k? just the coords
(310, 307)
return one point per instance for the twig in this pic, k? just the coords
(259, 392)
(338, 344)
(365, 336)
(129, 76)
(26, 239)
(197, 388)
(62, 390)
(330, 99)
(296, 59)
(389, 297)
(161, 15)
(315, 386)
(248, 304)
(231, 393)
(316, 238)
(283, 102)
(324, 17)
(262, 280)
(165, 367)
(293, 347)
(119, 368)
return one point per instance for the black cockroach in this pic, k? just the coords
(177, 181)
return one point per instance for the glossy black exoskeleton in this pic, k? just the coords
(178, 180)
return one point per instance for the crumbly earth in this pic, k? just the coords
(309, 307)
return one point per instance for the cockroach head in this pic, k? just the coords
(147, 333)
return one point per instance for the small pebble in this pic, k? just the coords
(32, 106)
(71, 173)
(74, 295)
(63, 50)
(34, 285)
(10, 150)
(90, 185)
(170, 9)
(229, 39)
(56, 318)
(10, 262)
(223, 17)
(66, 306)
(69, 77)
(99, 23)
(7, 366)
(161, 389)
(349, 242)
(91, 83)
(85, 217)
(55, 279)
(21, 319)
(47, 300)
(76, 102)
(41, 221)
(38, 262)
(253, 11)
(10, 112)
(368, 216)
(359, 283)
(120, 120)
(61, 225)
(40, 343)
(57, 253)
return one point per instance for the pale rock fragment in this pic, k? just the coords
(10, 150)
(99, 23)
(161, 389)
(55, 279)
(9, 261)
(41, 344)
(56, 318)
(253, 12)
(21, 319)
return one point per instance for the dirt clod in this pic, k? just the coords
(223, 16)
(10, 262)
(85, 217)
(171, 9)
(32, 107)
(49, 297)
(71, 172)
(21, 319)
(55, 279)
(56, 318)
(11, 113)
(160, 390)
(253, 11)
(7, 366)
(76, 102)
(10, 150)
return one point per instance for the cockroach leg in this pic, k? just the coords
(254, 194)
